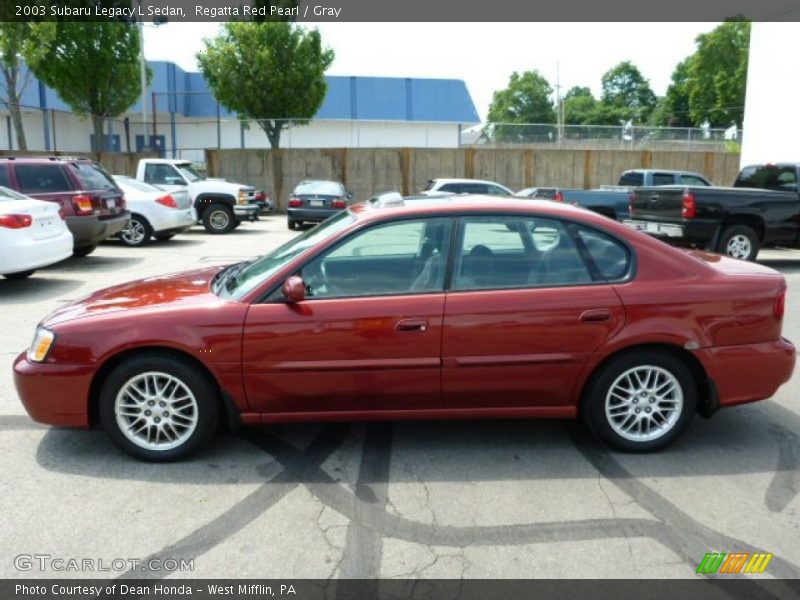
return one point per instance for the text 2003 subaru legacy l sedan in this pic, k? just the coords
(416, 308)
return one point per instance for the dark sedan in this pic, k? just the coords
(315, 201)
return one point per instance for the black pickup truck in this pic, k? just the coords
(761, 209)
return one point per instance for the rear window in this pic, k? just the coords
(4, 176)
(769, 177)
(663, 179)
(631, 178)
(135, 184)
(42, 179)
(92, 176)
(324, 188)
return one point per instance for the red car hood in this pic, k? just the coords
(188, 287)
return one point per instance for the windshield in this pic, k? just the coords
(7, 194)
(135, 184)
(324, 188)
(251, 275)
(92, 176)
(189, 173)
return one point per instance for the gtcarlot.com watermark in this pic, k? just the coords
(47, 563)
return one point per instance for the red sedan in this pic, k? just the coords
(419, 308)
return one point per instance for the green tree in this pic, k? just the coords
(627, 92)
(717, 74)
(94, 67)
(579, 104)
(526, 100)
(15, 79)
(270, 72)
(675, 108)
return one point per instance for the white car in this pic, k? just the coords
(154, 211)
(32, 235)
(466, 186)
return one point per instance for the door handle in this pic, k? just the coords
(412, 325)
(595, 315)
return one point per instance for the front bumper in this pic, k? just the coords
(315, 215)
(90, 231)
(750, 372)
(245, 212)
(36, 382)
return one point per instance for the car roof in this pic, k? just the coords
(669, 171)
(456, 180)
(305, 181)
(46, 159)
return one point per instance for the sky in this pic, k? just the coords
(482, 54)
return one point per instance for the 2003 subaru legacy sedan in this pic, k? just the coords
(412, 308)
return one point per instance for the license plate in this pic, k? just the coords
(111, 203)
(45, 222)
(316, 203)
(652, 228)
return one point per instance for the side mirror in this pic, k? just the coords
(294, 290)
(349, 195)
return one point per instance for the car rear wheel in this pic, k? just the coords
(20, 274)
(640, 401)
(159, 408)
(293, 224)
(218, 218)
(739, 241)
(82, 251)
(137, 232)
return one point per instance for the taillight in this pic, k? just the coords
(338, 203)
(167, 201)
(122, 203)
(631, 200)
(779, 307)
(261, 197)
(688, 207)
(82, 205)
(558, 196)
(295, 203)
(15, 221)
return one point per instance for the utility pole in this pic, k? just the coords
(559, 113)
(143, 76)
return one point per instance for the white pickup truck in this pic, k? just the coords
(221, 204)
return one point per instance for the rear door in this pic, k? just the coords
(525, 310)
(45, 181)
(367, 337)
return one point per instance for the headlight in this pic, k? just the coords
(40, 346)
(242, 197)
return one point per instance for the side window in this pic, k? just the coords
(513, 252)
(692, 180)
(453, 188)
(160, 174)
(405, 257)
(41, 179)
(631, 178)
(663, 179)
(497, 191)
(612, 258)
(4, 181)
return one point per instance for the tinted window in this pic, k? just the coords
(768, 177)
(92, 176)
(631, 178)
(4, 176)
(396, 258)
(453, 188)
(692, 180)
(324, 188)
(610, 256)
(512, 252)
(663, 179)
(162, 174)
(41, 179)
(497, 190)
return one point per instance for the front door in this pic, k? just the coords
(367, 337)
(526, 310)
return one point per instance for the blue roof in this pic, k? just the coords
(348, 98)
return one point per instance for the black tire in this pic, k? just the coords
(20, 274)
(82, 251)
(739, 241)
(200, 384)
(218, 218)
(599, 388)
(163, 237)
(293, 224)
(137, 233)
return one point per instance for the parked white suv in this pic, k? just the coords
(466, 186)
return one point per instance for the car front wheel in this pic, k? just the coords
(159, 408)
(218, 218)
(641, 401)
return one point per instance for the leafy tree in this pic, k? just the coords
(271, 72)
(675, 107)
(13, 37)
(94, 67)
(627, 92)
(579, 104)
(717, 74)
(526, 100)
